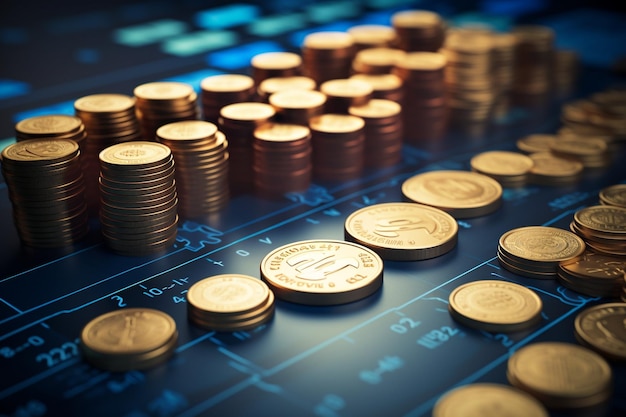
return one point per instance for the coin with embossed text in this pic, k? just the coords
(322, 272)
(602, 328)
(402, 231)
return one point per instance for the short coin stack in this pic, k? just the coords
(385, 86)
(602, 227)
(345, 92)
(200, 153)
(270, 86)
(511, 169)
(589, 151)
(230, 303)
(297, 106)
(601, 328)
(418, 30)
(220, 90)
(327, 55)
(614, 195)
(129, 338)
(594, 274)
(275, 64)
(549, 169)
(536, 251)
(139, 203)
(47, 191)
(55, 126)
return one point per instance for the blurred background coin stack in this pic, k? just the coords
(425, 108)
(47, 192)
(591, 152)
(613, 195)
(376, 60)
(384, 86)
(510, 169)
(602, 227)
(163, 102)
(384, 132)
(200, 154)
(338, 142)
(282, 159)
(566, 68)
(503, 58)
(238, 122)
(269, 86)
(108, 119)
(221, 90)
(534, 59)
(345, 92)
(297, 106)
(275, 64)
(594, 274)
(367, 36)
(418, 30)
(327, 55)
(138, 214)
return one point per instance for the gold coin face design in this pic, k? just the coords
(603, 328)
(603, 218)
(135, 153)
(187, 130)
(228, 293)
(40, 150)
(163, 90)
(104, 103)
(542, 243)
(49, 124)
(614, 195)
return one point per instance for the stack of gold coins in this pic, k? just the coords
(273, 85)
(345, 92)
(108, 119)
(425, 105)
(384, 131)
(602, 227)
(384, 86)
(138, 213)
(47, 191)
(418, 30)
(163, 102)
(275, 64)
(54, 126)
(488, 400)
(128, 339)
(322, 272)
(590, 119)
(282, 159)
(230, 303)
(549, 169)
(462, 194)
(561, 375)
(376, 60)
(495, 306)
(470, 81)
(589, 151)
(327, 55)
(372, 36)
(613, 195)
(601, 328)
(238, 122)
(566, 67)
(402, 231)
(503, 58)
(200, 153)
(534, 59)
(511, 169)
(536, 142)
(221, 90)
(536, 251)
(611, 114)
(594, 274)
(296, 106)
(338, 142)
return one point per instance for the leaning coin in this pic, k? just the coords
(601, 328)
(495, 306)
(322, 272)
(402, 231)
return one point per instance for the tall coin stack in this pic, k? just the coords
(418, 30)
(108, 119)
(338, 146)
(297, 106)
(275, 64)
(327, 55)
(282, 159)
(503, 56)
(534, 59)
(376, 60)
(425, 106)
(221, 90)
(163, 102)
(200, 153)
(372, 36)
(47, 191)
(238, 122)
(345, 92)
(138, 212)
(273, 85)
(385, 86)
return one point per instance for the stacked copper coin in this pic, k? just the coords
(425, 107)
(552, 170)
(418, 30)
(534, 58)
(108, 119)
(601, 328)
(602, 227)
(511, 169)
(221, 90)
(376, 60)
(384, 86)
(338, 146)
(163, 102)
(238, 122)
(327, 55)
(384, 132)
(372, 36)
(54, 126)
(270, 86)
(275, 64)
(297, 106)
(230, 303)
(589, 151)
(200, 153)
(138, 214)
(47, 191)
(536, 251)
(282, 159)
(345, 92)
(599, 116)
(613, 195)
(594, 274)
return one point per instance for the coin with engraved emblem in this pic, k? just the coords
(129, 338)
(135, 153)
(602, 227)
(40, 151)
(614, 195)
(488, 400)
(462, 194)
(603, 329)
(595, 274)
(495, 306)
(402, 231)
(322, 272)
(561, 375)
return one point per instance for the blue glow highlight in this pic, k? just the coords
(387, 4)
(376, 18)
(297, 38)
(199, 42)
(195, 78)
(227, 16)
(6, 142)
(493, 22)
(13, 36)
(239, 57)
(148, 33)
(277, 25)
(513, 7)
(328, 12)
(12, 88)
(87, 56)
(65, 107)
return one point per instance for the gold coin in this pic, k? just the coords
(372, 34)
(276, 60)
(495, 306)
(376, 108)
(548, 166)
(297, 99)
(281, 132)
(40, 151)
(614, 195)
(247, 111)
(228, 294)
(336, 123)
(463, 194)
(603, 219)
(135, 153)
(322, 272)
(227, 83)
(273, 85)
(542, 244)
(536, 143)
(488, 400)
(422, 61)
(602, 328)
(187, 130)
(163, 90)
(48, 125)
(415, 19)
(501, 163)
(346, 87)
(402, 231)
(104, 103)
(328, 40)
